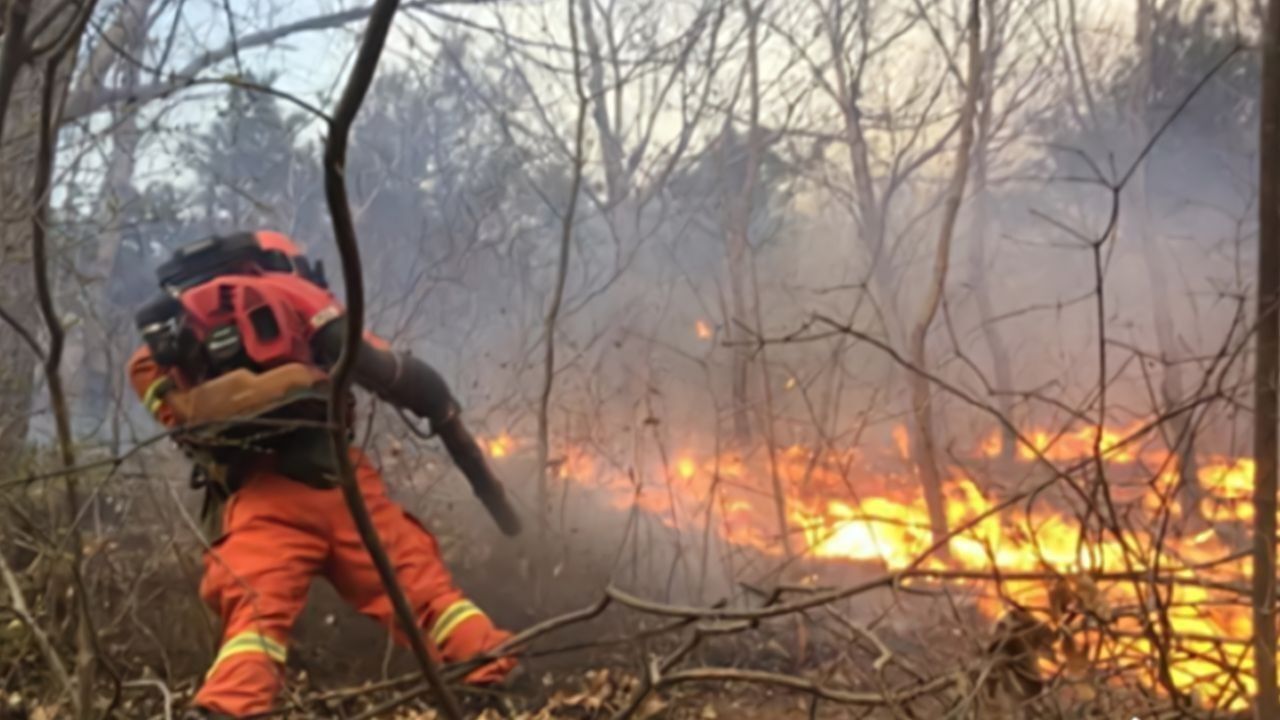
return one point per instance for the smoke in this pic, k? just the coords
(459, 174)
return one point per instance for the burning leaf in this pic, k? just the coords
(1091, 598)
(1077, 593)
(1060, 599)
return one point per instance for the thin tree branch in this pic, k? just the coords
(23, 333)
(87, 655)
(85, 103)
(562, 274)
(19, 607)
(1267, 368)
(760, 677)
(335, 158)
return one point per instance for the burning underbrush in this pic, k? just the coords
(1083, 546)
(1053, 588)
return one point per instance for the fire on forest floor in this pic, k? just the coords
(856, 513)
(1119, 572)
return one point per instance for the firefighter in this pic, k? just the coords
(283, 521)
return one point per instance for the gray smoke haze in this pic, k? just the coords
(459, 175)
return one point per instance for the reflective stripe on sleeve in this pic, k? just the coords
(155, 394)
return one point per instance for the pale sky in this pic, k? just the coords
(313, 64)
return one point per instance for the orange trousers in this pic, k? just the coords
(278, 535)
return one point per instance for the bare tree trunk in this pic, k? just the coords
(1179, 434)
(19, 112)
(557, 296)
(42, 271)
(616, 179)
(51, 70)
(33, 87)
(981, 224)
(19, 140)
(1267, 367)
(738, 214)
(870, 204)
(1001, 363)
(741, 270)
(926, 454)
(739, 246)
(737, 160)
(95, 379)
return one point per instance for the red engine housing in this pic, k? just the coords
(271, 315)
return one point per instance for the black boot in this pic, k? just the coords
(199, 713)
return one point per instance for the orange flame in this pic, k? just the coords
(859, 505)
(992, 445)
(1228, 484)
(686, 467)
(902, 440)
(498, 447)
(703, 330)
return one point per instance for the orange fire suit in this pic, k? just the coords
(277, 535)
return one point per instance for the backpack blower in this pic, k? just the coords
(246, 336)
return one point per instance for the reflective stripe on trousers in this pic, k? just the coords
(449, 620)
(249, 641)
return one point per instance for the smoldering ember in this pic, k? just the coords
(639, 359)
